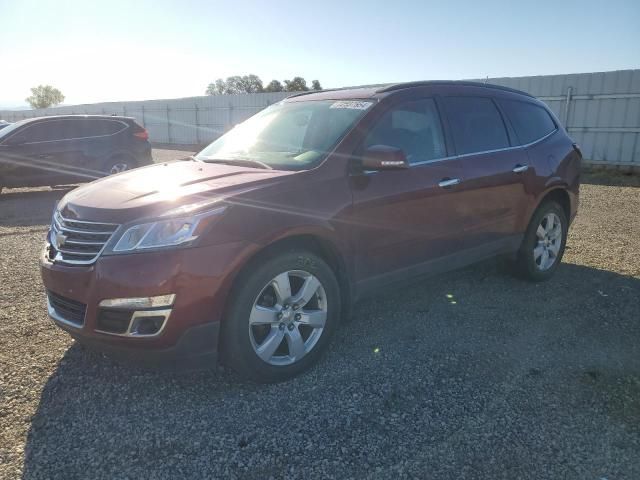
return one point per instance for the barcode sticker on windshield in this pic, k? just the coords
(351, 104)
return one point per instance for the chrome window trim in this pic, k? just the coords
(453, 157)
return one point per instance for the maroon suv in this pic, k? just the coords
(255, 248)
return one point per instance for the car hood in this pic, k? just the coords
(157, 189)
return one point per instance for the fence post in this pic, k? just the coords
(230, 118)
(124, 110)
(144, 121)
(566, 107)
(168, 125)
(197, 124)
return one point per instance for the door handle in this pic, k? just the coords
(44, 156)
(520, 168)
(448, 182)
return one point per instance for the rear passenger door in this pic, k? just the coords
(493, 174)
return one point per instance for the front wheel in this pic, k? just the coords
(281, 317)
(544, 243)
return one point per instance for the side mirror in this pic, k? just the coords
(384, 157)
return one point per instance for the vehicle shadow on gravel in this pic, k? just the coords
(470, 372)
(26, 208)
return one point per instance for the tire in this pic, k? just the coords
(541, 251)
(263, 317)
(119, 164)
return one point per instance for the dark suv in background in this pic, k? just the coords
(58, 150)
(257, 247)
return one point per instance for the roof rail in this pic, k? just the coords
(355, 87)
(426, 83)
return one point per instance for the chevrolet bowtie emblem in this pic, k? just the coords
(60, 239)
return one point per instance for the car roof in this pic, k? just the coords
(70, 117)
(380, 90)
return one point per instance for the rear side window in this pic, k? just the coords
(413, 127)
(96, 128)
(476, 124)
(531, 122)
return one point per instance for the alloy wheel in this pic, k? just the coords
(118, 167)
(288, 317)
(549, 241)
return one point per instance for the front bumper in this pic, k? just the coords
(199, 277)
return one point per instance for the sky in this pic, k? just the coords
(118, 50)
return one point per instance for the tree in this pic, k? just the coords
(236, 84)
(297, 84)
(217, 88)
(274, 86)
(45, 96)
(315, 85)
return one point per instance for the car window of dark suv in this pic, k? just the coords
(530, 122)
(414, 127)
(39, 132)
(476, 124)
(99, 127)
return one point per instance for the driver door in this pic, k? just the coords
(404, 219)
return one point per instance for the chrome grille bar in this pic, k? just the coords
(78, 242)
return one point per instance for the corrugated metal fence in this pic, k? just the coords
(601, 111)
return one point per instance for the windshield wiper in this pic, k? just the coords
(238, 161)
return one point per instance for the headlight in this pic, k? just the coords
(165, 233)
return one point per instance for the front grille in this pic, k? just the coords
(78, 242)
(67, 309)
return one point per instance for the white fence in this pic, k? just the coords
(601, 112)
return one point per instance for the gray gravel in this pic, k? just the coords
(473, 374)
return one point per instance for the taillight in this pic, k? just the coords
(141, 134)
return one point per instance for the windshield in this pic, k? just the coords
(288, 135)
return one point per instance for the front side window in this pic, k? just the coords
(476, 124)
(288, 135)
(414, 127)
(39, 132)
(530, 122)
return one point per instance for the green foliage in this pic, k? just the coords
(45, 96)
(253, 84)
(236, 84)
(297, 84)
(274, 86)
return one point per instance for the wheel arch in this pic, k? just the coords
(313, 242)
(558, 194)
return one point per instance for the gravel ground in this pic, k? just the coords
(471, 375)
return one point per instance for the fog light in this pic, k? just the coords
(147, 325)
(139, 302)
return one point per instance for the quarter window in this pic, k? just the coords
(476, 124)
(530, 122)
(413, 127)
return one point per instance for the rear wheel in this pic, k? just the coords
(281, 317)
(544, 242)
